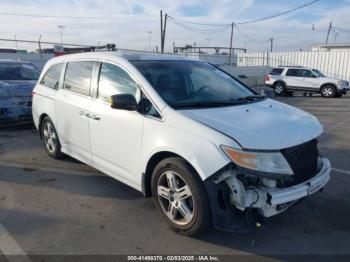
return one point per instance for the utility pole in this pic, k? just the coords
(329, 30)
(271, 47)
(16, 42)
(161, 31)
(229, 56)
(40, 51)
(164, 30)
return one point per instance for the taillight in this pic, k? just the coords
(267, 78)
(33, 93)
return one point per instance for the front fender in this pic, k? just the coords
(195, 144)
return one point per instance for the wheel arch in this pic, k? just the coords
(329, 84)
(279, 81)
(41, 118)
(152, 163)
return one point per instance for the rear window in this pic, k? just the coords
(52, 77)
(18, 71)
(276, 71)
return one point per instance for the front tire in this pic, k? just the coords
(328, 91)
(50, 138)
(180, 196)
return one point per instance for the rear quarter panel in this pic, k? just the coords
(43, 104)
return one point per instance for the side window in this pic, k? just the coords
(276, 71)
(293, 72)
(78, 77)
(113, 81)
(52, 76)
(306, 73)
(148, 108)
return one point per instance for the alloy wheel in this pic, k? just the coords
(327, 91)
(279, 88)
(175, 198)
(50, 137)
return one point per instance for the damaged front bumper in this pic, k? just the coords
(266, 198)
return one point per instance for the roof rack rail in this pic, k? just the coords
(290, 66)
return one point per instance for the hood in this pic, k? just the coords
(332, 79)
(16, 88)
(265, 125)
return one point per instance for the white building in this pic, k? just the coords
(331, 47)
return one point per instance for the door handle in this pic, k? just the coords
(84, 114)
(94, 117)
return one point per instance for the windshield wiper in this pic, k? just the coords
(205, 104)
(251, 98)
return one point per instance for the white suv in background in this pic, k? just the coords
(286, 79)
(208, 149)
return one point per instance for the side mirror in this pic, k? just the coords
(124, 102)
(314, 76)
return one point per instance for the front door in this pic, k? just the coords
(116, 135)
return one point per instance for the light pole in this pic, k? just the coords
(149, 39)
(61, 27)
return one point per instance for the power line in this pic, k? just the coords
(198, 30)
(195, 23)
(278, 14)
(250, 38)
(251, 21)
(76, 17)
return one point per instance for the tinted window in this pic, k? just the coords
(113, 81)
(148, 108)
(18, 71)
(293, 72)
(306, 73)
(52, 76)
(192, 84)
(318, 73)
(78, 77)
(276, 71)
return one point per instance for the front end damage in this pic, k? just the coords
(240, 199)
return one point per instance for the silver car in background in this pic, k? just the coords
(286, 79)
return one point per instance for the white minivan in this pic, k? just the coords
(208, 149)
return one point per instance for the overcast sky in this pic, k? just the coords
(290, 32)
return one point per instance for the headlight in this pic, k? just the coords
(272, 162)
(341, 82)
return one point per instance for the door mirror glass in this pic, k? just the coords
(124, 102)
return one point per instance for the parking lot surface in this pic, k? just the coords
(65, 207)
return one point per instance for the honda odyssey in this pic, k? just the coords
(208, 149)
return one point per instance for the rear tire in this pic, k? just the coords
(328, 91)
(279, 88)
(180, 196)
(50, 138)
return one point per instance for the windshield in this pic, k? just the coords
(318, 73)
(184, 84)
(18, 71)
